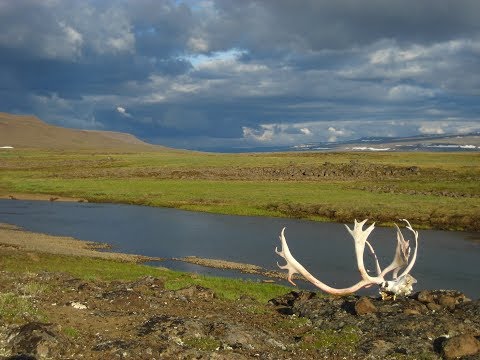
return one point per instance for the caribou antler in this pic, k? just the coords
(399, 285)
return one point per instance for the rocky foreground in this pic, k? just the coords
(67, 318)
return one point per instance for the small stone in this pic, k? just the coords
(434, 307)
(447, 301)
(425, 297)
(411, 312)
(364, 306)
(461, 345)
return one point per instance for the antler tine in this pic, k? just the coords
(372, 252)
(285, 253)
(360, 239)
(400, 258)
(414, 257)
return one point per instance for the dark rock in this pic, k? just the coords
(364, 306)
(161, 322)
(406, 326)
(434, 306)
(34, 338)
(425, 297)
(437, 300)
(415, 308)
(447, 301)
(292, 297)
(116, 293)
(461, 345)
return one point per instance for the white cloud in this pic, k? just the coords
(74, 40)
(290, 134)
(334, 134)
(431, 129)
(123, 111)
(409, 92)
(449, 126)
(392, 54)
(213, 59)
(198, 44)
(264, 134)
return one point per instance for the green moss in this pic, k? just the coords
(293, 322)
(71, 332)
(342, 341)
(202, 343)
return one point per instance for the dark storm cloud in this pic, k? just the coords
(324, 24)
(233, 73)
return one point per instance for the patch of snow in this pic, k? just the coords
(452, 146)
(362, 148)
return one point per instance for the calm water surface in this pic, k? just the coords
(446, 260)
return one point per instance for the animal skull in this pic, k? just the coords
(398, 285)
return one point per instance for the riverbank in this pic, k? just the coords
(61, 300)
(41, 197)
(14, 237)
(432, 190)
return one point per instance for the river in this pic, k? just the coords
(446, 259)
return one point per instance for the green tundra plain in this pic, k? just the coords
(433, 190)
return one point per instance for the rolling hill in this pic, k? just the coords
(20, 131)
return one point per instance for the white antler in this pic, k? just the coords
(399, 285)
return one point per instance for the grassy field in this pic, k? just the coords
(433, 190)
(109, 270)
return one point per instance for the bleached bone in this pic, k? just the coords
(399, 285)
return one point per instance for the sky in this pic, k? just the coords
(233, 74)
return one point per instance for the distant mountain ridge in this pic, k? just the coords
(439, 143)
(26, 131)
(447, 142)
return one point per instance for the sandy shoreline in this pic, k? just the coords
(14, 237)
(41, 197)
